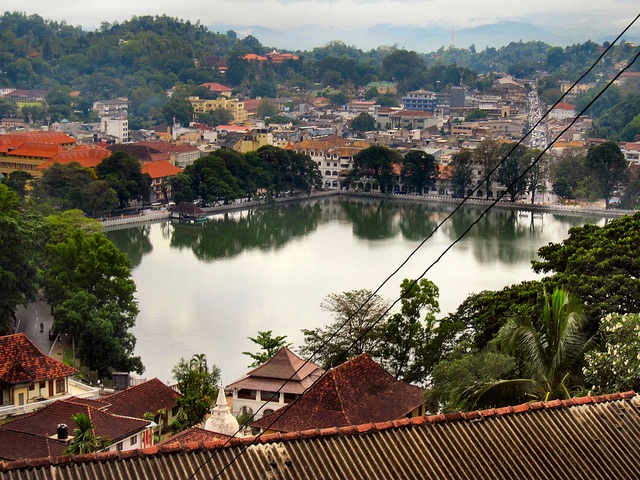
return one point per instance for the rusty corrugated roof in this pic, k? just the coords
(588, 437)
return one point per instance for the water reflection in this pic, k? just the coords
(228, 235)
(133, 241)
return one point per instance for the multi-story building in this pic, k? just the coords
(423, 100)
(234, 105)
(116, 126)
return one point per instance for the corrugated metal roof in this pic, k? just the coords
(590, 437)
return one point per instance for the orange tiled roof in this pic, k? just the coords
(36, 149)
(591, 437)
(84, 155)
(161, 169)
(565, 106)
(216, 87)
(22, 362)
(149, 396)
(358, 391)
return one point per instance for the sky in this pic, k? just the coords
(610, 15)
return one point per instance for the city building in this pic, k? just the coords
(422, 100)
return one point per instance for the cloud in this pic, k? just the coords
(279, 14)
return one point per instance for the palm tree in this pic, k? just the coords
(85, 440)
(550, 356)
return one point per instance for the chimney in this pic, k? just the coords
(63, 431)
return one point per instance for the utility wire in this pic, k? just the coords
(447, 249)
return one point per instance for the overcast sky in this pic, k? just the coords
(607, 15)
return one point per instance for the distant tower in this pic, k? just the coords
(453, 38)
(221, 419)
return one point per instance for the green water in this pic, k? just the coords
(206, 288)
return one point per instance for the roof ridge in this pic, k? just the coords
(313, 433)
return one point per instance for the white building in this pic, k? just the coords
(116, 126)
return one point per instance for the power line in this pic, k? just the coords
(448, 248)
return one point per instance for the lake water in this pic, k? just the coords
(206, 288)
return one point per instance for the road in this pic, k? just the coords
(29, 320)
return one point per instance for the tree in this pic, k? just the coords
(615, 367)
(510, 171)
(569, 174)
(402, 64)
(18, 181)
(269, 345)
(420, 170)
(84, 438)
(210, 180)
(63, 185)
(487, 154)
(332, 345)
(124, 174)
(549, 355)
(363, 123)
(266, 108)
(377, 162)
(474, 115)
(217, 116)
(608, 167)
(461, 172)
(178, 110)
(600, 265)
(197, 383)
(88, 283)
(21, 238)
(8, 108)
(537, 177)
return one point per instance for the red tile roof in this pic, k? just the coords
(161, 169)
(22, 362)
(358, 391)
(589, 437)
(85, 156)
(194, 435)
(283, 366)
(216, 87)
(43, 423)
(168, 147)
(135, 401)
(36, 149)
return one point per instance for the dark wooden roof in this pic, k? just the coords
(356, 392)
(589, 437)
(135, 401)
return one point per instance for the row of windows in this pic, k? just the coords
(328, 173)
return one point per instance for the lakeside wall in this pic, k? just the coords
(242, 204)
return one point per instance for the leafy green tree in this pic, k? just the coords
(616, 366)
(330, 345)
(363, 123)
(124, 174)
(18, 181)
(21, 238)
(631, 132)
(461, 369)
(62, 185)
(549, 355)
(608, 167)
(402, 64)
(410, 341)
(461, 172)
(84, 438)
(487, 154)
(197, 383)
(217, 116)
(377, 162)
(8, 108)
(268, 344)
(537, 177)
(266, 108)
(511, 170)
(570, 175)
(600, 265)
(179, 110)
(420, 170)
(474, 115)
(210, 180)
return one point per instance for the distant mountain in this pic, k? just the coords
(421, 39)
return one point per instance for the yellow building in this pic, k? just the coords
(235, 106)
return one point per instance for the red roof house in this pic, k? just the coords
(357, 392)
(27, 375)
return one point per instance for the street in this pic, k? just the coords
(29, 320)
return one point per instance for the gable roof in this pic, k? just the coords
(142, 152)
(194, 435)
(160, 169)
(135, 401)
(271, 375)
(22, 362)
(87, 157)
(588, 437)
(358, 391)
(216, 87)
(36, 149)
(42, 424)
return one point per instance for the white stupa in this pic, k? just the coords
(221, 419)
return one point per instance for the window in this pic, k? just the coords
(60, 388)
(134, 440)
(174, 411)
(32, 387)
(42, 384)
(119, 446)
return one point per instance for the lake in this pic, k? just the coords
(206, 288)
